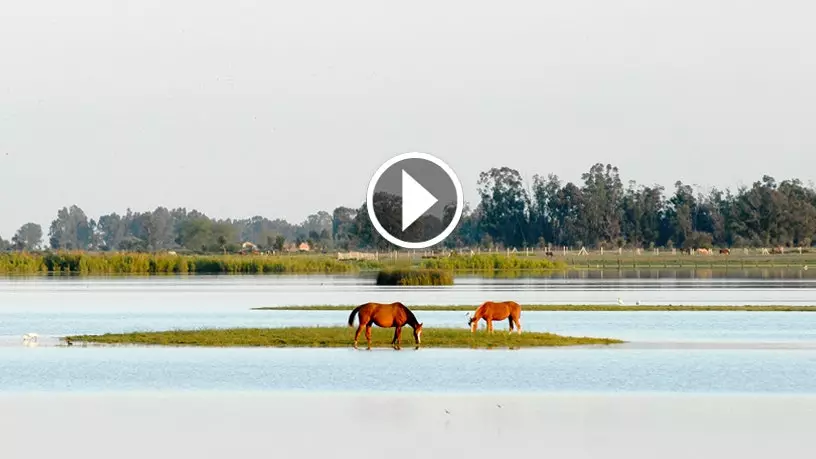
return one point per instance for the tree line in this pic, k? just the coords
(597, 211)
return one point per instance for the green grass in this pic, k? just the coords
(146, 263)
(492, 262)
(736, 260)
(414, 277)
(338, 337)
(566, 307)
(485, 265)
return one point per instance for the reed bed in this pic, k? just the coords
(492, 262)
(147, 263)
(414, 277)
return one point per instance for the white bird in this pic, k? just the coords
(805, 267)
(31, 339)
(620, 301)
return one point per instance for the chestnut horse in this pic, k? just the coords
(385, 316)
(490, 311)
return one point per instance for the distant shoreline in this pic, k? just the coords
(483, 265)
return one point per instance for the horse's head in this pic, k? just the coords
(469, 316)
(418, 333)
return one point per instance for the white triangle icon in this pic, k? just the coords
(415, 200)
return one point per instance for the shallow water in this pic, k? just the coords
(228, 293)
(222, 424)
(426, 370)
(55, 307)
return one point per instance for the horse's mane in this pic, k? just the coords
(412, 320)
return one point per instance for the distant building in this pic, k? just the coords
(248, 247)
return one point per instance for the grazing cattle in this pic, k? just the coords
(385, 316)
(490, 311)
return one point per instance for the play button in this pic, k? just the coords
(417, 200)
(414, 200)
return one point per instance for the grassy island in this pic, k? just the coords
(337, 337)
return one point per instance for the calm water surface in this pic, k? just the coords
(54, 307)
(433, 370)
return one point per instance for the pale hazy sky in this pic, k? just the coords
(277, 108)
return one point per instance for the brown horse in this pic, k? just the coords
(490, 311)
(385, 316)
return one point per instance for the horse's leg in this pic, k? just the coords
(357, 334)
(398, 337)
(490, 325)
(510, 321)
(518, 324)
(368, 335)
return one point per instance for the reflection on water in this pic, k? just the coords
(780, 273)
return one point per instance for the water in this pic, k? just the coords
(55, 307)
(426, 370)
(227, 293)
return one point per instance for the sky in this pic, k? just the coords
(279, 108)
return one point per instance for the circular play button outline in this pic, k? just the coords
(457, 215)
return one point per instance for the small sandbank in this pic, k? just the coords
(339, 337)
(566, 307)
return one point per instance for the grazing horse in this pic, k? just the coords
(490, 311)
(725, 252)
(385, 316)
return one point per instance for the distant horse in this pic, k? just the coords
(385, 316)
(490, 311)
(725, 252)
(549, 254)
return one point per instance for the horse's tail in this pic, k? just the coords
(354, 313)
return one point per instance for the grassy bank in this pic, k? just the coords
(414, 277)
(565, 307)
(492, 262)
(338, 337)
(737, 259)
(145, 263)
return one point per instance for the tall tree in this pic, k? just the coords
(601, 215)
(28, 237)
(504, 206)
(70, 230)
